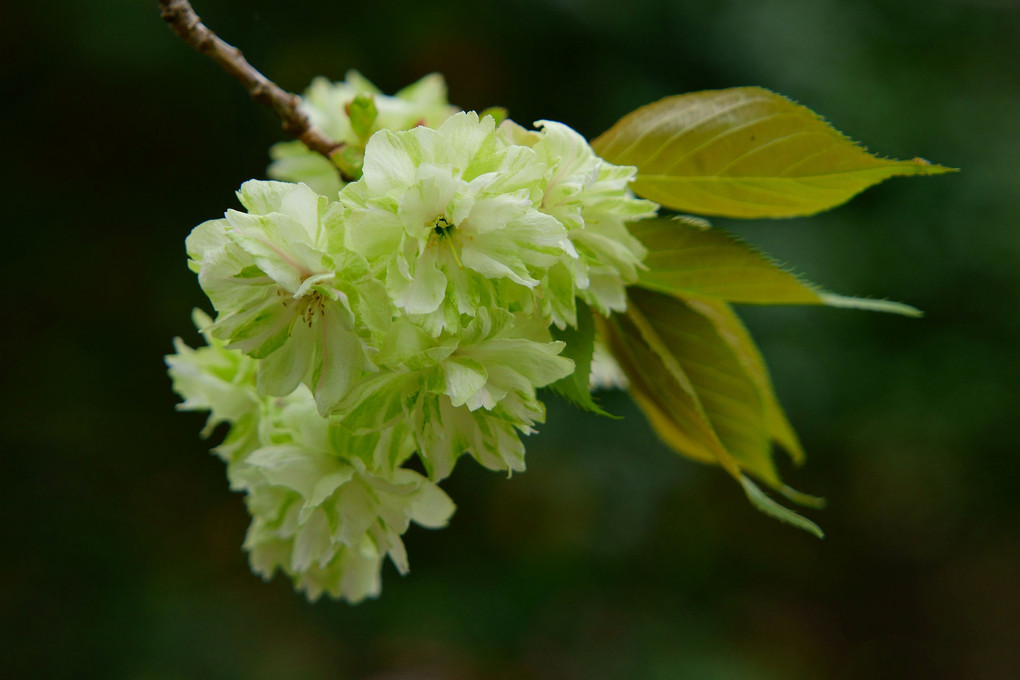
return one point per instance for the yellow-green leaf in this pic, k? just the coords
(732, 331)
(725, 392)
(777, 511)
(664, 394)
(744, 152)
(696, 392)
(696, 262)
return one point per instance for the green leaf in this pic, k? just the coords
(664, 393)
(777, 511)
(690, 261)
(726, 393)
(744, 152)
(580, 346)
(733, 332)
(697, 394)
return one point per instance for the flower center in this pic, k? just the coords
(313, 308)
(442, 226)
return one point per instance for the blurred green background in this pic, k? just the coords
(610, 557)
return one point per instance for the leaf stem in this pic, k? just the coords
(183, 20)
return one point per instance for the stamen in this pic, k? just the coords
(442, 226)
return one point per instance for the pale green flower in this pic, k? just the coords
(284, 295)
(447, 214)
(213, 378)
(444, 397)
(590, 197)
(221, 381)
(324, 519)
(326, 104)
(411, 316)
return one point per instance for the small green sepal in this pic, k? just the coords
(363, 112)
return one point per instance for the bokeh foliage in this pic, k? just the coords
(609, 558)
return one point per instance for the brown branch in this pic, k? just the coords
(181, 17)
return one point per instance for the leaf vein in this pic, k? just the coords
(687, 129)
(722, 135)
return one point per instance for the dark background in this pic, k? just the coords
(610, 557)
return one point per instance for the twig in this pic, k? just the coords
(181, 17)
